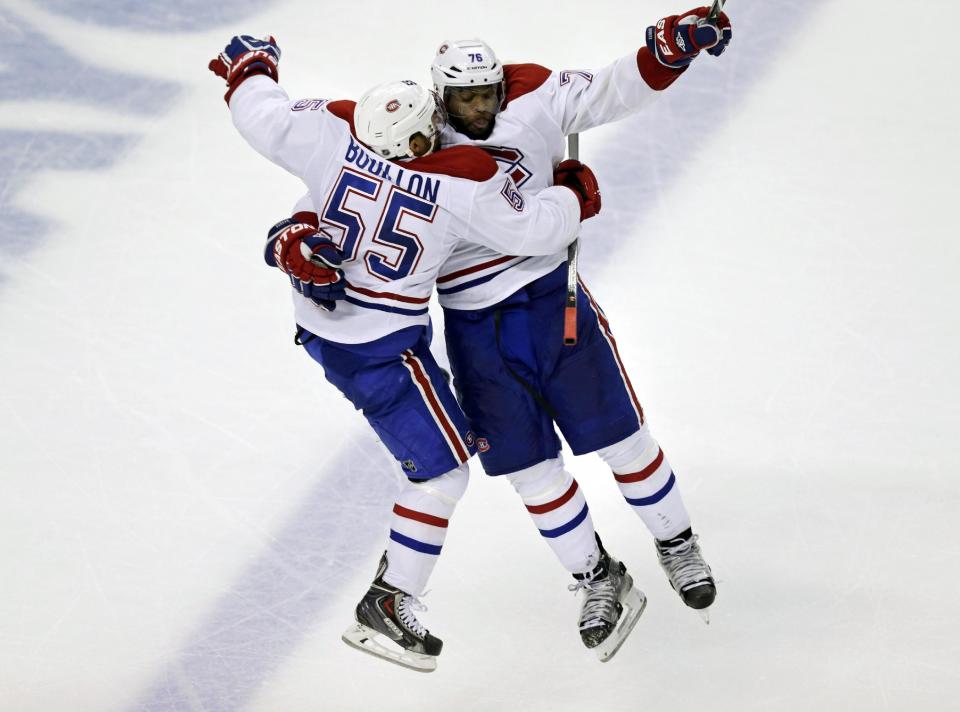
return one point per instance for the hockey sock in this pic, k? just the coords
(418, 528)
(648, 484)
(559, 510)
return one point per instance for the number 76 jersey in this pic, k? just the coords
(396, 222)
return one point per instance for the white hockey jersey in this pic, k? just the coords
(541, 108)
(396, 222)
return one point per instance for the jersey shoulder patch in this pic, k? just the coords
(467, 162)
(522, 79)
(343, 109)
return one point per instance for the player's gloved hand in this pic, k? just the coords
(581, 180)
(677, 39)
(309, 259)
(246, 57)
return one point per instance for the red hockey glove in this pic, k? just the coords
(580, 179)
(243, 58)
(309, 259)
(677, 39)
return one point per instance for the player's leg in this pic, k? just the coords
(649, 486)
(418, 527)
(401, 390)
(492, 356)
(559, 511)
(610, 604)
(398, 385)
(598, 410)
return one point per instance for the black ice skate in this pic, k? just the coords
(611, 605)
(689, 574)
(387, 612)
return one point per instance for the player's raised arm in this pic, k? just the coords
(584, 99)
(261, 109)
(518, 223)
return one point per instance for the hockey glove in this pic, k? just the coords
(677, 39)
(581, 180)
(309, 259)
(243, 58)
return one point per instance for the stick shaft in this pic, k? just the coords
(573, 253)
(715, 10)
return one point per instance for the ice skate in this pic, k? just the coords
(611, 605)
(688, 573)
(388, 627)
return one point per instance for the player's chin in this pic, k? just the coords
(479, 128)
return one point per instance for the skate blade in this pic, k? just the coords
(367, 640)
(633, 604)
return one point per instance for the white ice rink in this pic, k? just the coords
(189, 512)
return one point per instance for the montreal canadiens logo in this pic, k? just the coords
(393, 105)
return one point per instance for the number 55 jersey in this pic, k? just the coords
(396, 222)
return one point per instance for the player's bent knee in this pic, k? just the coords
(448, 487)
(541, 479)
(635, 451)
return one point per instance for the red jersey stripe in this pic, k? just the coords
(475, 268)
(388, 295)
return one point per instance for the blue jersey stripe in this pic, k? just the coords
(478, 280)
(420, 546)
(653, 499)
(569, 526)
(386, 308)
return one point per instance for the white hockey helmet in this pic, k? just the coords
(389, 115)
(466, 63)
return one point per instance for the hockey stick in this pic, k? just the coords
(573, 252)
(715, 10)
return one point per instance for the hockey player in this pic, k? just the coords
(394, 211)
(503, 316)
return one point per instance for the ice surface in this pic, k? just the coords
(190, 512)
